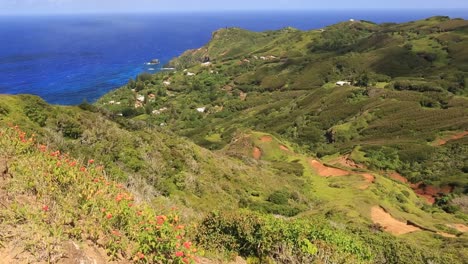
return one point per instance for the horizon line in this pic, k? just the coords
(226, 11)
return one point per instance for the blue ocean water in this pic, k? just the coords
(67, 59)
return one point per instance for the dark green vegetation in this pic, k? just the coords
(234, 129)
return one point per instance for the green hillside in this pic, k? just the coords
(265, 156)
(408, 92)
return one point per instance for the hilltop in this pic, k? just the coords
(344, 144)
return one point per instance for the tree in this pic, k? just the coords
(363, 80)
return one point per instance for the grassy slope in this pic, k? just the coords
(423, 99)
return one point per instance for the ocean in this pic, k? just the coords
(69, 59)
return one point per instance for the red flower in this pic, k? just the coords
(187, 244)
(45, 208)
(83, 169)
(186, 260)
(179, 254)
(161, 219)
(140, 255)
(119, 197)
(91, 161)
(109, 216)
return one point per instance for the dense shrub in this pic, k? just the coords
(266, 237)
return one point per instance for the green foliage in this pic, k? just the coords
(264, 236)
(383, 158)
(419, 86)
(69, 127)
(279, 197)
(98, 209)
(36, 110)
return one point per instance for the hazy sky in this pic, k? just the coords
(109, 6)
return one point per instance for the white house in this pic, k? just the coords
(201, 109)
(342, 83)
(190, 74)
(167, 83)
(205, 64)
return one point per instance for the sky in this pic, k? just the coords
(130, 6)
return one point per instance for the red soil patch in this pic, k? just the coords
(325, 171)
(284, 148)
(460, 227)
(398, 177)
(441, 142)
(390, 224)
(369, 180)
(347, 162)
(256, 153)
(430, 192)
(266, 139)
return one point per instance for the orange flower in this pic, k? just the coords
(186, 260)
(109, 216)
(180, 227)
(91, 161)
(83, 169)
(116, 233)
(179, 254)
(45, 208)
(139, 213)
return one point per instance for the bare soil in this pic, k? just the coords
(347, 162)
(284, 148)
(398, 177)
(266, 139)
(460, 227)
(444, 141)
(369, 178)
(256, 153)
(326, 171)
(390, 224)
